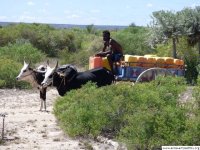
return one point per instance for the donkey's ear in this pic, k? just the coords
(47, 62)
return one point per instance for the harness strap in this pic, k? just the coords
(64, 79)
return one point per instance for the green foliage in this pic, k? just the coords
(133, 40)
(190, 56)
(90, 28)
(174, 25)
(80, 58)
(89, 46)
(163, 50)
(191, 73)
(196, 93)
(8, 34)
(144, 116)
(9, 69)
(41, 36)
(21, 50)
(195, 118)
(165, 26)
(154, 116)
(76, 45)
(12, 56)
(88, 117)
(190, 22)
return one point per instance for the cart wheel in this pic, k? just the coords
(151, 74)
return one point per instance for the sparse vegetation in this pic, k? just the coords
(9, 70)
(11, 59)
(144, 116)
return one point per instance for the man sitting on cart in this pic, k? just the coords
(112, 50)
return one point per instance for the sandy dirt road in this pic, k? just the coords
(26, 128)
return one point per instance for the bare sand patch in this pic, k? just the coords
(29, 129)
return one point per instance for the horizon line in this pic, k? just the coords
(61, 23)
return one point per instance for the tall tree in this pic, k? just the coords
(165, 26)
(190, 20)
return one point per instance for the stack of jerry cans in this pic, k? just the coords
(134, 66)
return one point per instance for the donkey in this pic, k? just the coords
(34, 77)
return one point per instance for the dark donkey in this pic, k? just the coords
(71, 79)
(34, 77)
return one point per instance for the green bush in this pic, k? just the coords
(21, 50)
(190, 55)
(9, 70)
(10, 62)
(133, 40)
(191, 73)
(196, 93)
(43, 37)
(89, 114)
(144, 116)
(81, 56)
(8, 34)
(193, 125)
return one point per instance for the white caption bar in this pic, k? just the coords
(181, 147)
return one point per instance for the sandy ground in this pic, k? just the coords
(26, 128)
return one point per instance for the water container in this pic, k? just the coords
(160, 62)
(131, 60)
(127, 58)
(181, 62)
(95, 62)
(151, 62)
(169, 62)
(141, 61)
(105, 63)
(178, 63)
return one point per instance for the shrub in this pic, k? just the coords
(9, 69)
(144, 116)
(81, 57)
(191, 73)
(133, 40)
(8, 34)
(21, 50)
(196, 93)
(11, 57)
(190, 55)
(91, 112)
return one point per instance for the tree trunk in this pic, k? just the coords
(174, 47)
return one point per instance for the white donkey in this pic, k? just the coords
(34, 77)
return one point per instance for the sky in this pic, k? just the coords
(87, 12)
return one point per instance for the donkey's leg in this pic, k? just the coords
(44, 90)
(41, 100)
